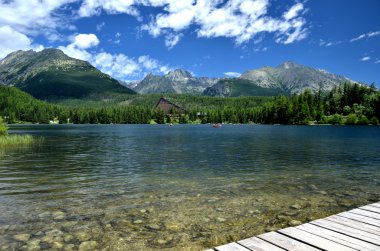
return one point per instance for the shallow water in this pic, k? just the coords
(186, 187)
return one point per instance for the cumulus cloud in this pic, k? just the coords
(293, 11)
(11, 40)
(366, 58)
(85, 41)
(119, 66)
(232, 74)
(94, 7)
(33, 17)
(366, 35)
(377, 61)
(126, 68)
(241, 20)
(80, 44)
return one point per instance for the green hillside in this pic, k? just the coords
(72, 83)
(50, 74)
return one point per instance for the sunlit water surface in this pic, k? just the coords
(186, 187)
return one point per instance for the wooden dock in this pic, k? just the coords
(357, 229)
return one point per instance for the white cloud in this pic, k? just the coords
(366, 58)
(261, 49)
(119, 66)
(85, 41)
(126, 68)
(366, 35)
(232, 74)
(11, 40)
(80, 44)
(293, 11)
(33, 17)
(242, 20)
(328, 43)
(172, 39)
(94, 7)
(377, 61)
(100, 26)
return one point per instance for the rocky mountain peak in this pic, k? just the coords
(178, 74)
(289, 65)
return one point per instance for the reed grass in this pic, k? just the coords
(16, 140)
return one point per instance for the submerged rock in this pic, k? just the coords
(69, 247)
(33, 245)
(153, 227)
(162, 242)
(21, 237)
(295, 206)
(59, 215)
(88, 245)
(82, 235)
(294, 223)
(173, 226)
(138, 222)
(57, 245)
(220, 219)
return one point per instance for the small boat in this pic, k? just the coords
(216, 125)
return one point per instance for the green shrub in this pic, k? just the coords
(3, 128)
(374, 121)
(363, 120)
(352, 119)
(336, 119)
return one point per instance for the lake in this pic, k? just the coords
(185, 187)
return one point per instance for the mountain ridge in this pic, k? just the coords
(51, 73)
(177, 81)
(294, 78)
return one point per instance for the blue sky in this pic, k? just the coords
(130, 38)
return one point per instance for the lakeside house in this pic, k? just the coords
(168, 107)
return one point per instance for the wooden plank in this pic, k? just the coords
(286, 242)
(371, 208)
(355, 224)
(232, 247)
(210, 250)
(338, 237)
(366, 213)
(314, 240)
(377, 204)
(257, 244)
(360, 218)
(353, 232)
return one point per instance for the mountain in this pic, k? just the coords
(287, 78)
(52, 74)
(177, 81)
(292, 78)
(235, 87)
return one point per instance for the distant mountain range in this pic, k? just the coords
(52, 74)
(177, 81)
(291, 77)
(287, 78)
